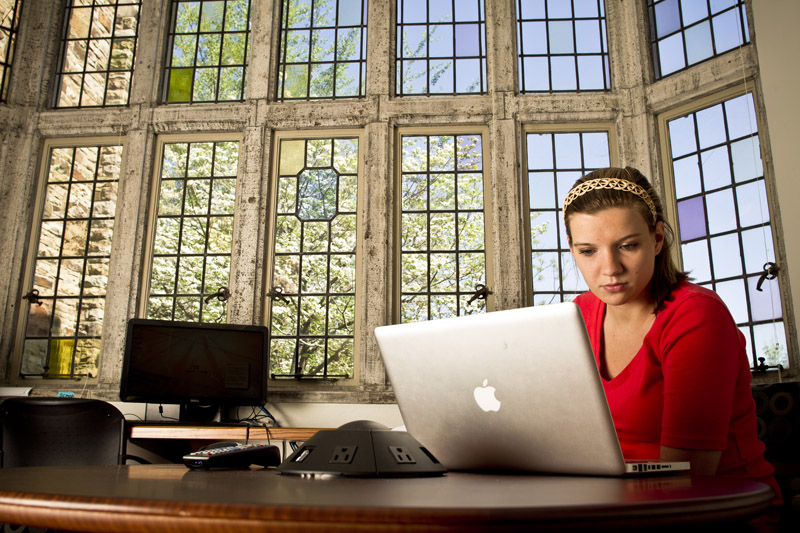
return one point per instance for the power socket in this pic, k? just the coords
(401, 456)
(343, 455)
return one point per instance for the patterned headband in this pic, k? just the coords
(610, 183)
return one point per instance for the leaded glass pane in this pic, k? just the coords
(312, 291)
(65, 319)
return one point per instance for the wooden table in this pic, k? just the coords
(171, 498)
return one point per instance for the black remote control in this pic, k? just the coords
(234, 456)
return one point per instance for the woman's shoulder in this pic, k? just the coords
(696, 295)
(690, 303)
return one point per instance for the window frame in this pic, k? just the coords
(671, 204)
(555, 128)
(396, 215)
(153, 202)
(15, 360)
(290, 385)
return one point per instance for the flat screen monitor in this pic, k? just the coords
(201, 367)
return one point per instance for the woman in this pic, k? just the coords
(673, 362)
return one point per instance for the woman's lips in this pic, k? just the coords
(614, 287)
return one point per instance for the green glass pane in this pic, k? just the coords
(340, 356)
(160, 308)
(292, 157)
(281, 356)
(442, 191)
(205, 85)
(443, 272)
(295, 81)
(187, 309)
(341, 315)
(162, 276)
(348, 189)
(188, 17)
(233, 49)
(201, 156)
(214, 312)
(286, 273)
(414, 272)
(314, 274)
(211, 17)
(319, 153)
(183, 51)
(190, 275)
(311, 356)
(471, 231)
(218, 270)
(315, 237)
(283, 317)
(345, 155)
(208, 50)
(170, 198)
(223, 196)
(317, 194)
(180, 85)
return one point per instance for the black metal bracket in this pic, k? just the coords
(222, 295)
(481, 292)
(33, 297)
(277, 294)
(770, 272)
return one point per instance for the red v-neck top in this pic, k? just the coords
(687, 387)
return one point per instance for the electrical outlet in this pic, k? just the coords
(343, 454)
(401, 456)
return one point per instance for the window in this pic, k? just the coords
(313, 286)
(9, 21)
(97, 53)
(441, 47)
(65, 306)
(554, 161)
(208, 45)
(724, 218)
(686, 32)
(323, 49)
(191, 256)
(443, 268)
(562, 46)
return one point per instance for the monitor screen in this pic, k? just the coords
(184, 363)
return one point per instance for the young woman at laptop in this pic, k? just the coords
(673, 362)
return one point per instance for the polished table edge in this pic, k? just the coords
(141, 513)
(199, 432)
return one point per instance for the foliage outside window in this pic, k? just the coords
(562, 46)
(97, 53)
(441, 47)
(724, 218)
(313, 286)
(9, 21)
(66, 301)
(193, 239)
(207, 51)
(442, 226)
(686, 32)
(555, 160)
(323, 49)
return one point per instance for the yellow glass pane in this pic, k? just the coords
(292, 157)
(180, 85)
(60, 362)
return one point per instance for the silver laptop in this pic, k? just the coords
(509, 390)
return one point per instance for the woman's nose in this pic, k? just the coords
(610, 263)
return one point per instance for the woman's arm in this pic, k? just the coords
(703, 462)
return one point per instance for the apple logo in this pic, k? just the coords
(485, 398)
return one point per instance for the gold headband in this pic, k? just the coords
(610, 183)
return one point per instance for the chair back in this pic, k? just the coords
(60, 431)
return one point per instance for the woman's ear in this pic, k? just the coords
(659, 236)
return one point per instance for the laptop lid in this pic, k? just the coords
(507, 390)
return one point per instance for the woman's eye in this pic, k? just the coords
(586, 251)
(630, 245)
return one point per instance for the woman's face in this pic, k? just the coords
(616, 253)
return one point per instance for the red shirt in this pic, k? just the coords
(687, 387)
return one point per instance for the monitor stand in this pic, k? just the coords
(194, 412)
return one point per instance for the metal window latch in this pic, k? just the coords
(222, 295)
(770, 272)
(277, 294)
(33, 297)
(481, 292)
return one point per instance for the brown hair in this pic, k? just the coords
(591, 200)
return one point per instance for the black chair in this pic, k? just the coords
(61, 431)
